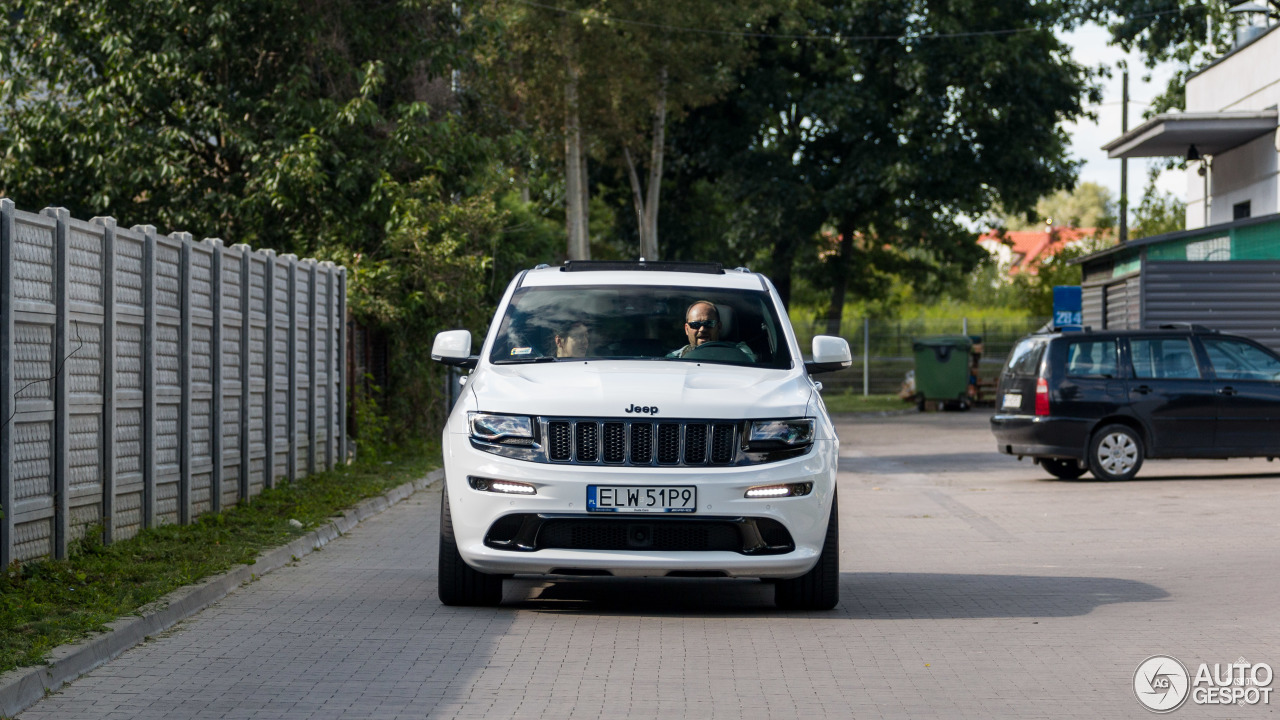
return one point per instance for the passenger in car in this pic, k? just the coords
(573, 340)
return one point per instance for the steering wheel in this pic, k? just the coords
(720, 350)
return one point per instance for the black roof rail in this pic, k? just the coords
(708, 268)
(1199, 329)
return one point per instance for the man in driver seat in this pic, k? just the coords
(701, 326)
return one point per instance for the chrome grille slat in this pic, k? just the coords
(639, 443)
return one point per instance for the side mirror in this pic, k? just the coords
(453, 347)
(829, 354)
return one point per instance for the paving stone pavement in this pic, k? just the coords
(973, 586)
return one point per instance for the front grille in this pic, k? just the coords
(590, 441)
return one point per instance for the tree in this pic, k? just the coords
(892, 121)
(606, 80)
(1088, 205)
(1158, 212)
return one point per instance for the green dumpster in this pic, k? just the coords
(942, 370)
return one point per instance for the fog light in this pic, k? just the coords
(776, 491)
(501, 486)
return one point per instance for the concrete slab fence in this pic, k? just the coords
(147, 379)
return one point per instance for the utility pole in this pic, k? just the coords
(1124, 162)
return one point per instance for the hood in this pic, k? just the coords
(669, 389)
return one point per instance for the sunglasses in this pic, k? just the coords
(699, 324)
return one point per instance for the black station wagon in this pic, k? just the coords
(1103, 401)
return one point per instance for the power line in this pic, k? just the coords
(812, 37)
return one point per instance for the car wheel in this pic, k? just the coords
(1061, 469)
(818, 589)
(457, 582)
(1115, 453)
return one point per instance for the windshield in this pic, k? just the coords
(637, 322)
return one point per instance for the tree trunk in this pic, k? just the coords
(586, 204)
(646, 203)
(637, 197)
(574, 193)
(840, 278)
(649, 236)
(781, 260)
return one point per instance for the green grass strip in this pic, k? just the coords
(849, 402)
(49, 603)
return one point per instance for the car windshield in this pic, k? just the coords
(638, 322)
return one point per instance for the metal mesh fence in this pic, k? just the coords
(882, 353)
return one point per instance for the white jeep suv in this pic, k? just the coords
(640, 419)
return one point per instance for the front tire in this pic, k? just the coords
(818, 589)
(457, 583)
(1062, 469)
(1115, 453)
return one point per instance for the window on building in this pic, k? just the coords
(1240, 211)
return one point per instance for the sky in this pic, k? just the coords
(1089, 47)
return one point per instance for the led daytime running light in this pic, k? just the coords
(505, 487)
(776, 491)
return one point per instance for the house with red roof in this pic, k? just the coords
(1022, 251)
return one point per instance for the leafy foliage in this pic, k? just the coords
(1158, 212)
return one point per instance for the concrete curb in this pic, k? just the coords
(23, 687)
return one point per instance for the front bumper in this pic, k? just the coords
(1041, 436)
(562, 492)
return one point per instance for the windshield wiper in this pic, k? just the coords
(525, 361)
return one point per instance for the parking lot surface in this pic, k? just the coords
(973, 586)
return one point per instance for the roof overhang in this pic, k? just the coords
(1171, 134)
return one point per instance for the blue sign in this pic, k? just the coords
(1067, 304)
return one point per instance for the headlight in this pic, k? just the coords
(780, 434)
(501, 429)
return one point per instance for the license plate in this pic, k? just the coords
(642, 498)
(1011, 400)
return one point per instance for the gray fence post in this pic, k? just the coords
(149, 377)
(313, 384)
(292, 410)
(269, 366)
(184, 376)
(342, 365)
(8, 401)
(246, 299)
(215, 378)
(108, 376)
(61, 388)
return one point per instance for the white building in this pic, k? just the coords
(1228, 132)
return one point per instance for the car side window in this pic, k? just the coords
(1236, 360)
(1095, 358)
(1163, 358)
